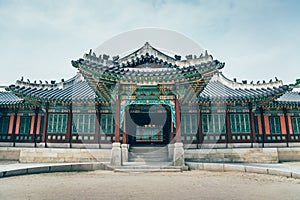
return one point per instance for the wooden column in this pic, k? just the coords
(45, 126)
(286, 119)
(18, 122)
(14, 128)
(117, 120)
(267, 125)
(252, 126)
(38, 126)
(11, 124)
(98, 120)
(69, 126)
(199, 133)
(32, 124)
(282, 124)
(178, 126)
(35, 125)
(290, 125)
(262, 125)
(124, 128)
(259, 124)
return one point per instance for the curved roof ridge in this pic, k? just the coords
(147, 49)
(59, 85)
(236, 85)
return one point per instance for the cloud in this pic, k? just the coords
(256, 39)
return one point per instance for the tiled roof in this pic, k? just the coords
(75, 89)
(290, 97)
(145, 66)
(8, 98)
(220, 88)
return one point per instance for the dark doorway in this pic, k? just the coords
(148, 124)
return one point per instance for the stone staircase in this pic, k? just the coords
(148, 158)
(148, 154)
(157, 167)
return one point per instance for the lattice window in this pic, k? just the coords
(83, 123)
(189, 123)
(25, 125)
(4, 123)
(57, 123)
(107, 124)
(213, 123)
(296, 124)
(240, 123)
(275, 124)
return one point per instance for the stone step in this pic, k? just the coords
(145, 159)
(152, 155)
(145, 170)
(148, 149)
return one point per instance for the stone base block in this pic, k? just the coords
(105, 146)
(212, 146)
(257, 170)
(116, 155)
(239, 145)
(24, 144)
(288, 154)
(274, 145)
(171, 151)
(125, 148)
(85, 146)
(6, 144)
(279, 173)
(178, 158)
(213, 167)
(234, 168)
(294, 144)
(296, 175)
(8, 153)
(58, 145)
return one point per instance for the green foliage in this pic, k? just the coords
(296, 83)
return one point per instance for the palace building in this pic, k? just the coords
(149, 97)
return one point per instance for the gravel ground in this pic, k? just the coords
(186, 185)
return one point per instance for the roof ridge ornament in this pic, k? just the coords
(236, 85)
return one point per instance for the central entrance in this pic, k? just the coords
(148, 124)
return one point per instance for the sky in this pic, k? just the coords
(257, 40)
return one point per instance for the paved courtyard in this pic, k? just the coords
(186, 185)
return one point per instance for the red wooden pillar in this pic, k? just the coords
(14, 128)
(32, 124)
(117, 120)
(178, 126)
(18, 122)
(11, 124)
(290, 126)
(263, 129)
(282, 124)
(38, 126)
(259, 124)
(267, 125)
(124, 128)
